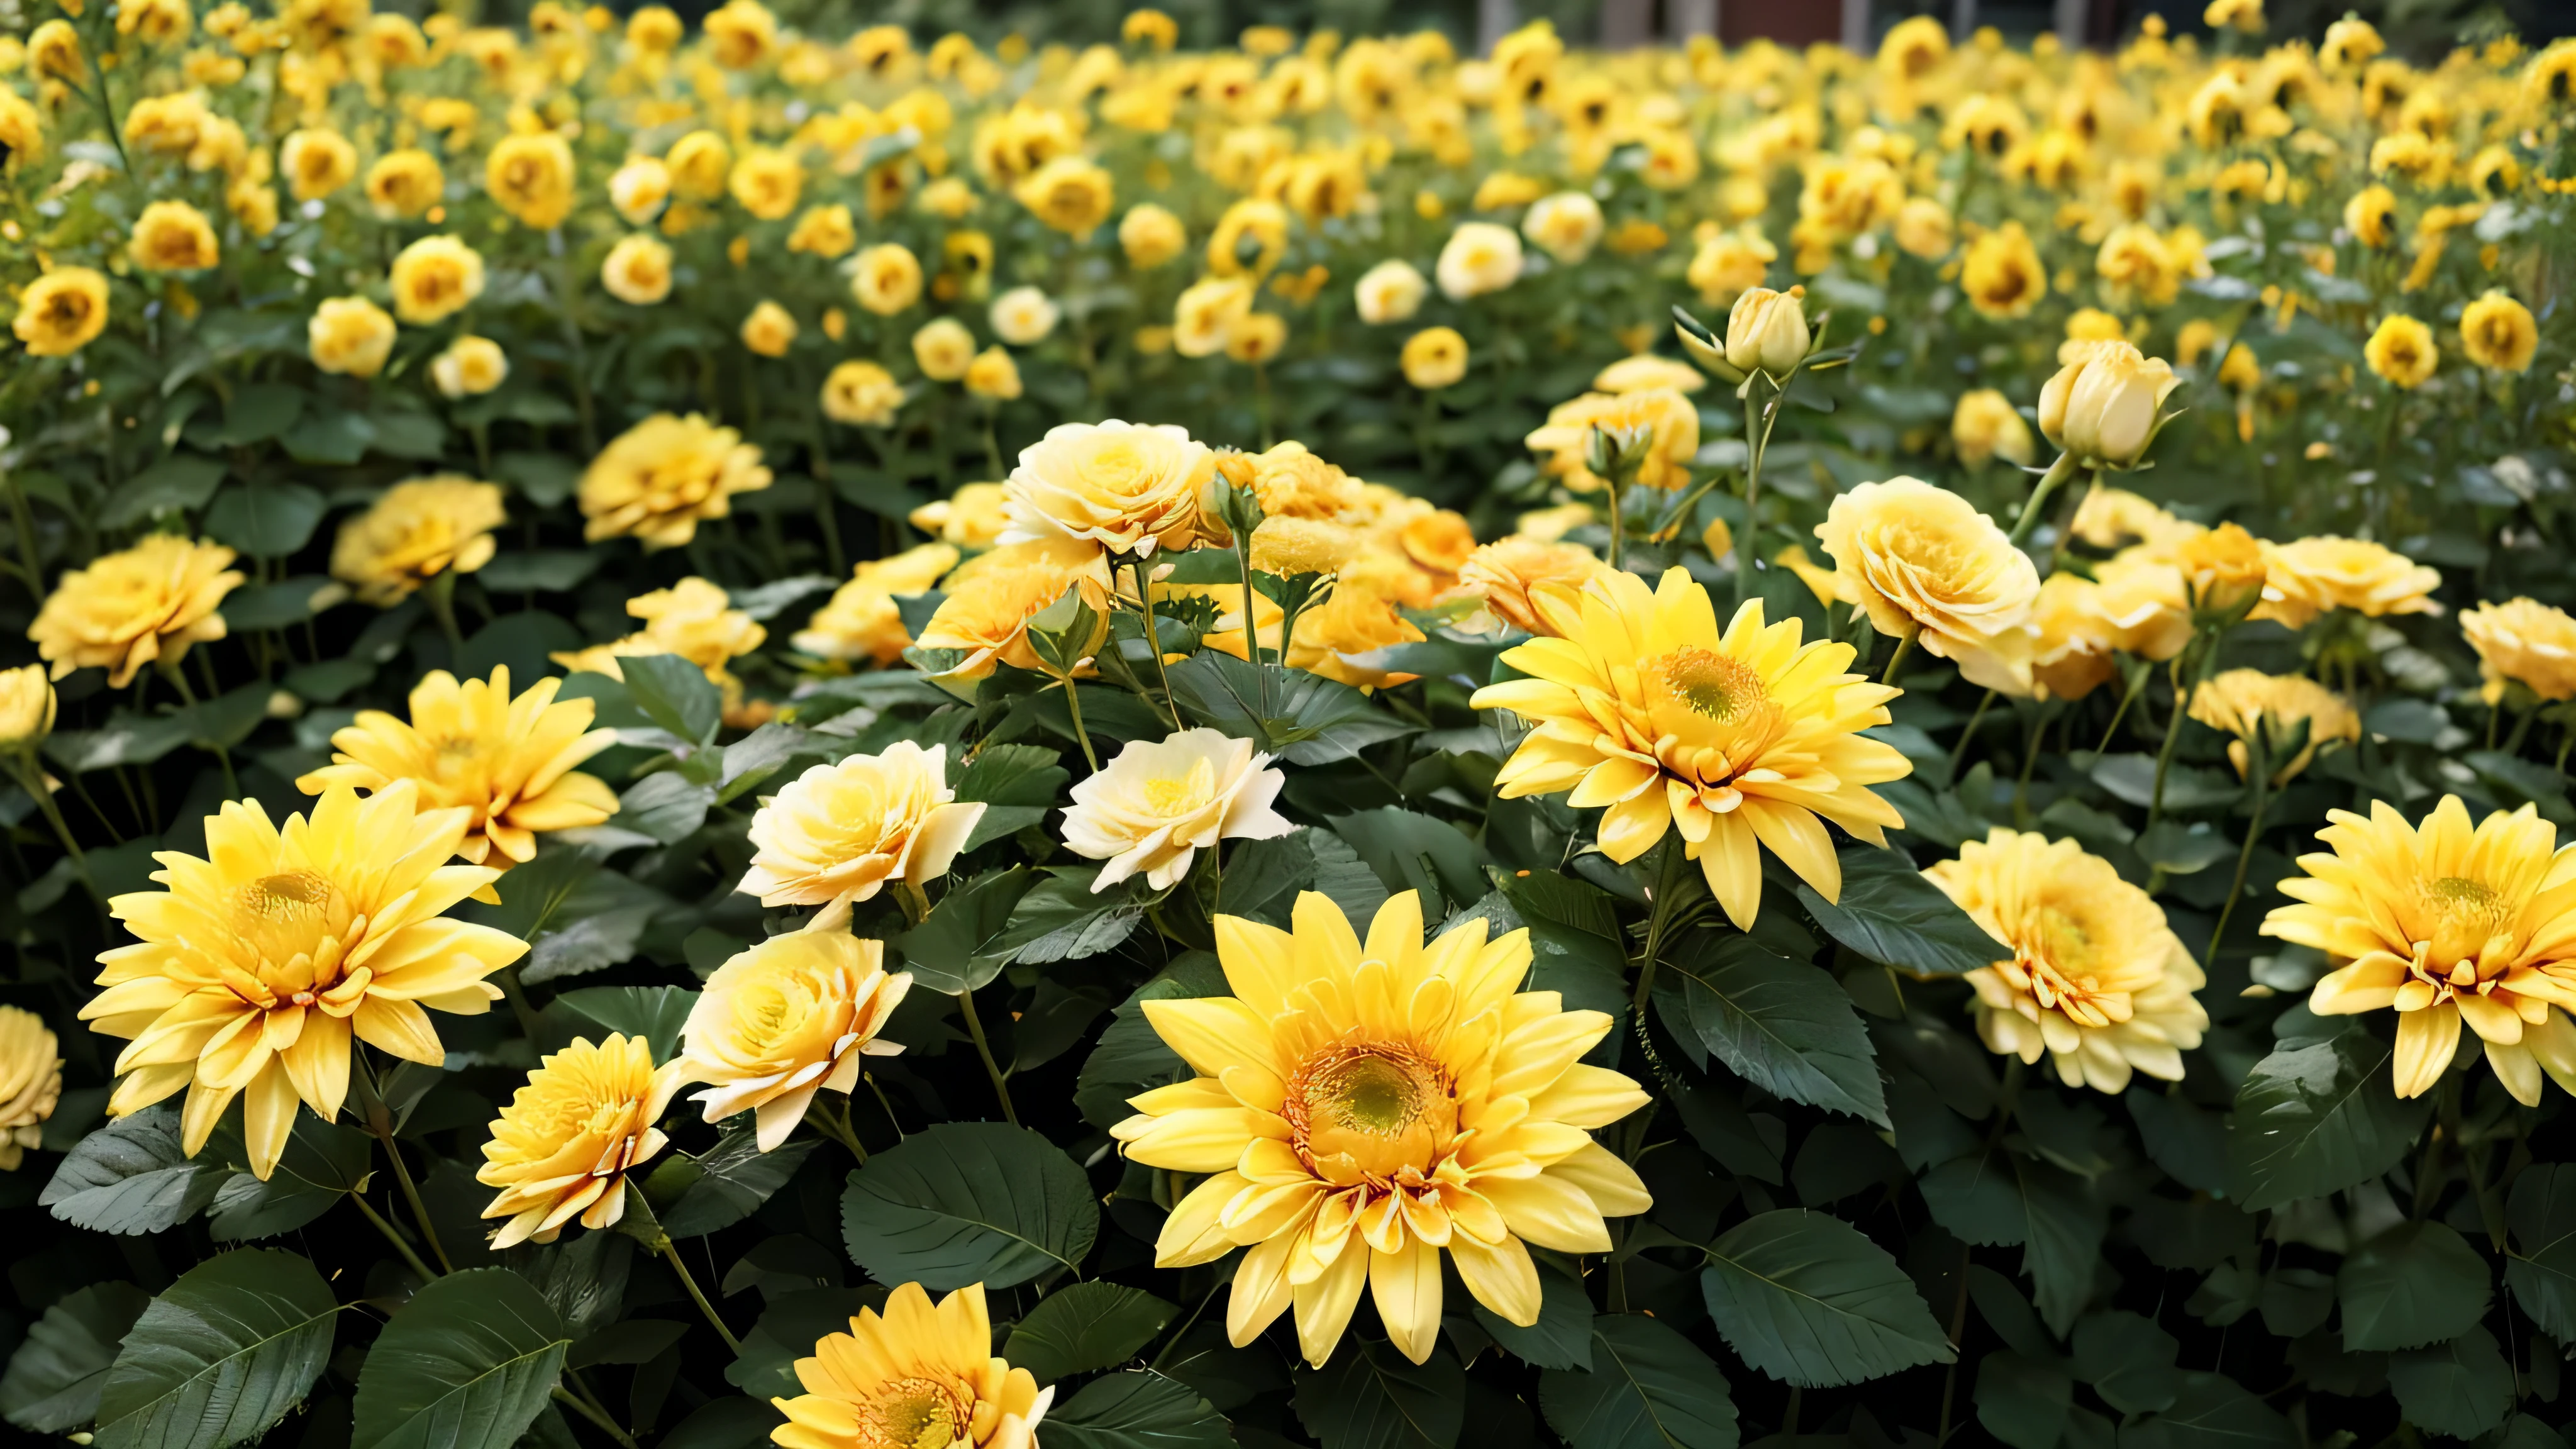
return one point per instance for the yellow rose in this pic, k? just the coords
(2523, 642)
(2223, 567)
(792, 1016)
(26, 707)
(350, 335)
(743, 34)
(144, 605)
(2402, 351)
(1155, 806)
(943, 349)
(1767, 331)
(638, 189)
(1478, 258)
(698, 164)
(824, 231)
(993, 375)
(1984, 426)
(1434, 358)
(766, 183)
(415, 532)
(31, 1081)
(1257, 337)
(2103, 406)
(989, 603)
(1729, 264)
(1665, 415)
(861, 622)
(1207, 312)
(1391, 291)
(2248, 702)
(22, 131)
(61, 311)
(974, 517)
(1927, 565)
(2311, 575)
(886, 278)
(434, 278)
(531, 177)
(838, 833)
(469, 367)
(1507, 571)
(1023, 316)
(658, 479)
(2371, 216)
(54, 52)
(637, 270)
(1923, 229)
(769, 331)
(2498, 332)
(1151, 236)
(172, 236)
(861, 394)
(1566, 225)
(1069, 194)
(317, 163)
(2072, 655)
(1128, 488)
(403, 184)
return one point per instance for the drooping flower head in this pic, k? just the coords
(919, 1376)
(1743, 741)
(1159, 803)
(250, 974)
(1361, 1106)
(788, 1018)
(562, 1148)
(2446, 922)
(2096, 981)
(839, 832)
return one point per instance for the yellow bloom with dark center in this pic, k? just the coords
(2523, 642)
(252, 972)
(1069, 194)
(142, 605)
(22, 132)
(2248, 703)
(562, 1148)
(31, 1083)
(1434, 358)
(349, 335)
(2402, 351)
(660, 478)
(2096, 982)
(1744, 741)
(2446, 923)
(508, 762)
(434, 278)
(469, 367)
(1362, 1106)
(2498, 332)
(918, 1376)
(531, 177)
(743, 33)
(415, 532)
(172, 236)
(317, 162)
(2002, 274)
(405, 183)
(861, 394)
(2371, 216)
(792, 1016)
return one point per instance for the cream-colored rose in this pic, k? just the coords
(1128, 487)
(1924, 562)
(792, 1016)
(31, 1082)
(637, 271)
(1391, 291)
(1566, 225)
(2144, 604)
(2311, 575)
(2523, 642)
(1152, 809)
(2102, 405)
(1480, 257)
(1023, 316)
(943, 349)
(639, 188)
(838, 833)
(1767, 331)
(26, 707)
(469, 367)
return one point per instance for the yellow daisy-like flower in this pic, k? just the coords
(788, 1018)
(2446, 923)
(416, 532)
(144, 605)
(661, 477)
(2096, 981)
(920, 1374)
(252, 971)
(1744, 741)
(1361, 1106)
(562, 1148)
(508, 763)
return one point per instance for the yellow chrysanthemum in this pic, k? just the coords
(861, 621)
(144, 605)
(2243, 702)
(1743, 741)
(2524, 642)
(507, 762)
(788, 1018)
(31, 1083)
(1361, 1106)
(252, 971)
(416, 532)
(562, 1148)
(2445, 922)
(920, 1375)
(661, 477)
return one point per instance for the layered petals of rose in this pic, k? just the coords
(918, 1376)
(562, 1148)
(2445, 923)
(1363, 1106)
(838, 833)
(1161, 802)
(792, 1016)
(251, 973)
(1744, 742)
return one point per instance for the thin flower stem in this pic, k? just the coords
(31, 777)
(2049, 482)
(394, 1236)
(820, 1116)
(2244, 859)
(1959, 751)
(993, 1069)
(441, 594)
(1667, 881)
(371, 1108)
(2128, 697)
(1073, 707)
(597, 1416)
(1903, 643)
(187, 696)
(1618, 529)
(670, 1250)
(1756, 444)
(1154, 639)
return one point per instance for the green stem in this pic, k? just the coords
(31, 777)
(1903, 643)
(2173, 727)
(583, 1407)
(2128, 696)
(835, 1125)
(394, 1236)
(2244, 859)
(1618, 526)
(1154, 639)
(1959, 751)
(669, 1250)
(983, 1049)
(1756, 443)
(1666, 890)
(1073, 707)
(440, 591)
(2058, 472)
(371, 1109)
(178, 678)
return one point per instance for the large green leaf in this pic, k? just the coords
(323, 1160)
(466, 1364)
(1889, 913)
(2316, 1119)
(1649, 1388)
(1785, 1026)
(2540, 1265)
(655, 1013)
(132, 1176)
(2021, 1401)
(1366, 1396)
(2211, 1411)
(220, 1357)
(2064, 1241)
(1141, 1410)
(1018, 785)
(968, 1202)
(2415, 1284)
(729, 1183)
(2128, 1360)
(1807, 1299)
(2461, 1388)
(1562, 1337)
(675, 694)
(1130, 1056)
(54, 1378)
(959, 947)
(1085, 1328)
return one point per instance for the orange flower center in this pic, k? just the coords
(913, 1413)
(1371, 1109)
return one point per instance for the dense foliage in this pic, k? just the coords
(756, 736)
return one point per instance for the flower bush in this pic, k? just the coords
(736, 736)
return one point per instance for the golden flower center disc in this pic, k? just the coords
(1714, 712)
(914, 1413)
(1382, 1106)
(2457, 917)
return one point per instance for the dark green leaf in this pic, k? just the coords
(1562, 1337)
(181, 481)
(1418, 853)
(1648, 1388)
(323, 1160)
(2540, 1266)
(965, 1202)
(1366, 1396)
(2023, 1402)
(2128, 1360)
(1889, 913)
(738, 1423)
(668, 807)
(2462, 1388)
(265, 520)
(1085, 1328)
(54, 1378)
(675, 694)
(1782, 1025)
(131, 1176)
(1063, 919)
(637, 1340)
(2316, 1119)
(959, 948)
(1137, 1411)
(466, 1364)
(1808, 1300)
(2211, 1411)
(733, 1180)
(2415, 1284)
(655, 1013)
(1130, 1056)
(788, 1330)
(220, 1357)
(2064, 1243)
(538, 570)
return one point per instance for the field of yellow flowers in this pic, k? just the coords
(729, 737)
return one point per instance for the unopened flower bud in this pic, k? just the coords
(2106, 404)
(1767, 331)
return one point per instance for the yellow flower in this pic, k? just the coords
(1923, 229)
(1508, 572)
(1151, 236)
(22, 131)
(1023, 316)
(2498, 332)
(1155, 806)
(317, 163)
(659, 478)
(1127, 487)
(1362, 1106)
(917, 1375)
(769, 331)
(2245, 15)
(1927, 565)
(1984, 426)
(1479, 258)
(61, 311)
(2105, 404)
(1207, 312)
(469, 367)
(766, 182)
(2523, 642)
(405, 183)
(694, 620)
(1766, 331)
(943, 349)
(1566, 225)
(1729, 264)
(1391, 291)
(2245, 702)
(172, 236)
(1150, 27)
(434, 278)
(993, 375)
(2002, 274)
(2143, 604)
(886, 278)
(2096, 980)
(1434, 358)
(506, 763)
(638, 189)
(144, 605)
(350, 335)
(2445, 923)
(698, 164)
(2305, 578)
(26, 708)
(990, 601)
(2371, 216)
(562, 1148)
(1744, 741)
(2223, 568)
(2071, 657)
(1069, 194)
(2402, 351)
(861, 621)
(637, 270)
(1645, 372)
(824, 231)
(837, 833)
(861, 394)
(1664, 414)
(31, 1083)
(54, 52)
(788, 1018)
(531, 177)
(415, 532)
(249, 975)
(743, 33)
(2111, 517)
